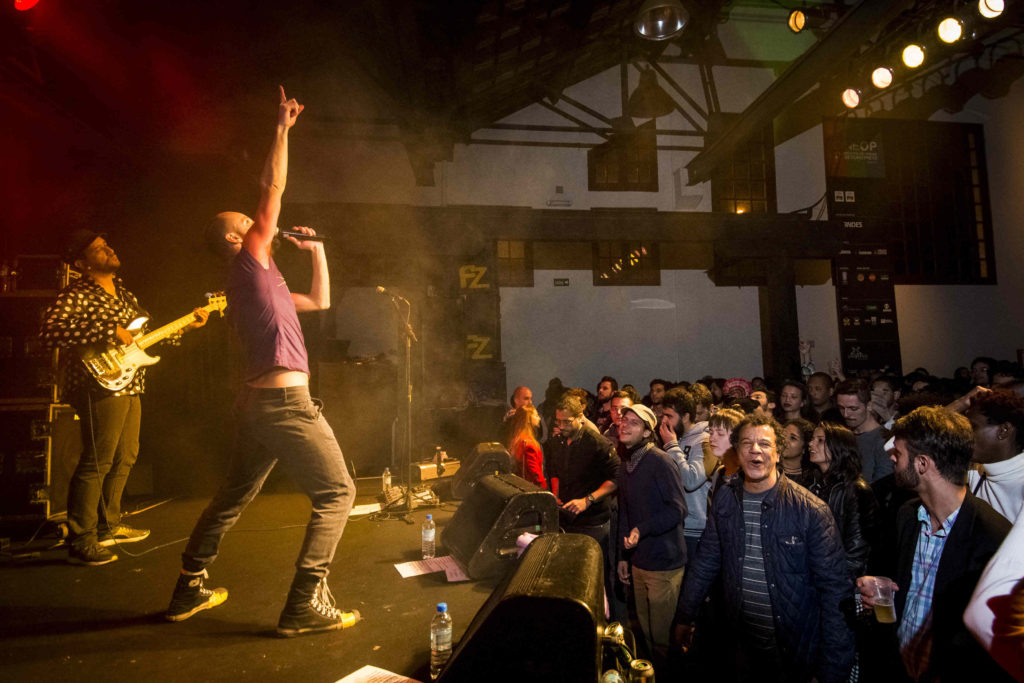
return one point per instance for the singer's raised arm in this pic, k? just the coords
(272, 182)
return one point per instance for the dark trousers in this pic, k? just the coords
(280, 424)
(110, 445)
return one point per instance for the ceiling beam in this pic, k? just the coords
(824, 57)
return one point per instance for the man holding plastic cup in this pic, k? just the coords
(944, 539)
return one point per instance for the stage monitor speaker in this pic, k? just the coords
(486, 458)
(483, 531)
(542, 623)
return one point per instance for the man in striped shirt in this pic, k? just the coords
(783, 568)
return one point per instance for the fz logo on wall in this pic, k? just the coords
(470, 277)
(478, 348)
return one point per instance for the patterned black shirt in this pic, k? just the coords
(83, 314)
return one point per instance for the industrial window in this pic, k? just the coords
(627, 162)
(745, 181)
(515, 263)
(626, 263)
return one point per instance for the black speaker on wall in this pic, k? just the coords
(486, 458)
(482, 533)
(542, 623)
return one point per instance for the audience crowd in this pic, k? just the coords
(822, 529)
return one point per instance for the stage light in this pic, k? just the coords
(661, 20)
(23, 5)
(881, 77)
(851, 98)
(913, 55)
(649, 100)
(950, 30)
(990, 9)
(797, 21)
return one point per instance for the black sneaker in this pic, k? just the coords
(313, 613)
(92, 555)
(190, 597)
(122, 533)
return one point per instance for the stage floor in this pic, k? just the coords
(70, 623)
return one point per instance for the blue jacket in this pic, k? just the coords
(805, 566)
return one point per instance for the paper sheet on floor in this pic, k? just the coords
(446, 564)
(374, 674)
(367, 509)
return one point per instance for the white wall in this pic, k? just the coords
(683, 329)
(582, 332)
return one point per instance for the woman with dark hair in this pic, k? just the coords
(523, 446)
(796, 455)
(833, 450)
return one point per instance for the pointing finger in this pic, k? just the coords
(283, 98)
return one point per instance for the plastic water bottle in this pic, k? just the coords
(385, 480)
(440, 639)
(427, 537)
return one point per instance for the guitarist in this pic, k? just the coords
(97, 309)
(276, 418)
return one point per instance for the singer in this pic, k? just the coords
(276, 418)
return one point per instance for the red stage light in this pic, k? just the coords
(23, 5)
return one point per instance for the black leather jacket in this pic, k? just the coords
(857, 515)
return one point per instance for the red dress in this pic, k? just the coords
(530, 462)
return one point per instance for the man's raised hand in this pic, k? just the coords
(288, 110)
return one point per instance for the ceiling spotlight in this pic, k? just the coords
(913, 55)
(649, 100)
(950, 30)
(25, 5)
(990, 9)
(661, 19)
(851, 98)
(797, 21)
(881, 77)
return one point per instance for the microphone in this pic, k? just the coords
(387, 292)
(301, 236)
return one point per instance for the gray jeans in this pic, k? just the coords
(280, 424)
(110, 445)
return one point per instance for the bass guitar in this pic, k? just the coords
(114, 366)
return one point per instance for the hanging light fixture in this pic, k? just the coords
(851, 98)
(649, 100)
(661, 20)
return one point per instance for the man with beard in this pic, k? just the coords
(276, 418)
(781, 561)
(602, 402)
(686, 442)
(652, 507)
(97, 309)
(620, 400)
(582, 469)
(944, 540)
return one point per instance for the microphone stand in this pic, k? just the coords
(405, 329)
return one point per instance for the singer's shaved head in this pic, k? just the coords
(225, 232)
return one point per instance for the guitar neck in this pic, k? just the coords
(167, 330)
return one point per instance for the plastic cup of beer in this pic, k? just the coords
(885, 613)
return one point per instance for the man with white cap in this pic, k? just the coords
(652, 508)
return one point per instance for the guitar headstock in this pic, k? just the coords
(217, 302)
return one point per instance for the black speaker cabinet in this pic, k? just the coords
(542, 623)
(483, 531)
(486, 458)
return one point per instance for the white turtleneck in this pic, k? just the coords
(1001, 485)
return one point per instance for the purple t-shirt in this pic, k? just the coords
(261, 309)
